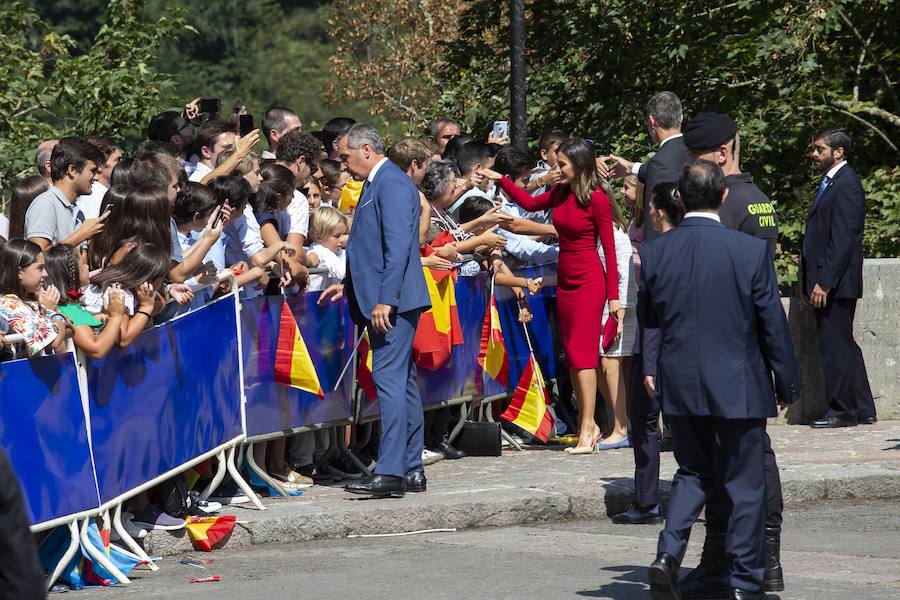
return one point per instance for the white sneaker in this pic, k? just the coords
(429, 457)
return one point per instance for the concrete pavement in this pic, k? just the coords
(548, 485)
(832, 551)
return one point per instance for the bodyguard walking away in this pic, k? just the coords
(385, 287)
(831, 276)
(713, 293)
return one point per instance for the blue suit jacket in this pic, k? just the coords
(712, 292)
(383, 260)
(833, 252)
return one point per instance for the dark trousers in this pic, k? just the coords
(718, 508)
(846, 381)
(394, 372)
(437, 424)
(644, 416)
(728, 453)
(21, 575)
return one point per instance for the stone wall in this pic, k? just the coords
(877, 331)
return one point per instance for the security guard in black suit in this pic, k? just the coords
(21, 574)
(714, 137)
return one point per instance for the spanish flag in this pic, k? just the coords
(293, 364)
(206, 532)
(493, 357)
(528, 408)
(439, 329)
(364, 372)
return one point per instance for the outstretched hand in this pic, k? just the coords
(333, 292)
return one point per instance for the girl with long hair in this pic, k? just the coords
(69, 274)
(582, 215)
(27, 305)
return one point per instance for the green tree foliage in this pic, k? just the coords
(780, 68)
(49, 91)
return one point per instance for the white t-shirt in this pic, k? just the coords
(90, 204)
(92, 299)
(335, 262)
(298, 213)
(200, 171)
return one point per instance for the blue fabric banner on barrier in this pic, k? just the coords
(43, 430)
(328, 333)
(170, 397)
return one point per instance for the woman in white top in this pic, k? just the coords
(616, 361)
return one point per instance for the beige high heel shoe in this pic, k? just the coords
(586, 449)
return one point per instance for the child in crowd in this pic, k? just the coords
(328, 227)
(272, 207)
(69, 274)
(139, 275)
(546, 173)
(472, 158)
(26, 305)
(332, 178)
(313, 193)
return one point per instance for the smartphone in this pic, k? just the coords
(218, 218)
(501, 130)
(210, 105)
(246, 124)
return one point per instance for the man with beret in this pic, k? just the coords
(714, 137)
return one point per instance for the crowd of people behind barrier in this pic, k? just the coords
(103, 245)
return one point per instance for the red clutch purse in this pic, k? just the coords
(609, 333)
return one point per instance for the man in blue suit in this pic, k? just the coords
(831, 275)
(386, 290)
(713, 294)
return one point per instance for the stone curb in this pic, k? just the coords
(285, 523)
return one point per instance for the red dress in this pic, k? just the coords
(582, 287)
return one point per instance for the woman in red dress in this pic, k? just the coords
(582, 214)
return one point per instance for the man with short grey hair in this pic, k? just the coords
(664, 115)
(42, 158)
(443, 129)
(386, 290)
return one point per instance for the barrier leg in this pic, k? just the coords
(490, 419)
(367, 435)
(464, 410)
(349, 455)
(130, 541)
(67, 557)
(217, 478)
(239, 480)
(100, 557)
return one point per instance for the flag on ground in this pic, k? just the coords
(528, 408)
(293, 364)
(82, 570)
(206, 532)
(439, 329)
(493, 357)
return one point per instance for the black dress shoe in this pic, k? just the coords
(663, 575)
(639, 515)
(379, 486)
(416, 482)
(831, 422)
(449, 452)
(739, 594)
(868, 420)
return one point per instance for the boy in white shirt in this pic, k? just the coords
(328, 227)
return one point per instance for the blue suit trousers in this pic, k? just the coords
(394, 372)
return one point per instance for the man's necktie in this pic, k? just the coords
(821, 191)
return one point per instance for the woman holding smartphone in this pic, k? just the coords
(582, 215)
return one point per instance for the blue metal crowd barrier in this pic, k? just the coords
(85, 437)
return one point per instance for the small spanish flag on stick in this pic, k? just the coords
(364, 377)
(293, 364)
(528, 408)
(493, 357)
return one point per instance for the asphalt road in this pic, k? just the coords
(849, 550)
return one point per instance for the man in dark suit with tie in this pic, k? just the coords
(831, 275)
(386, 290)
(713, 294)
(664, 116)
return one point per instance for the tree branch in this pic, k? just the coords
(875, 60)
(398, 103)
(873, 111)
(834, 104)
